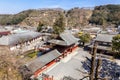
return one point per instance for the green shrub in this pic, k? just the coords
(32, 55)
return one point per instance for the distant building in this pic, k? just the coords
(4, 33)
(93, 31)
(16, 41)
(104, 42)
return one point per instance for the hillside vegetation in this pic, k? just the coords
(72, 17)
(75, 17)
(106, 15)
(45, 16)
(78, 17)
(14, 19)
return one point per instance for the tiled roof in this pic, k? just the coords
(67, 39)
(101, 47)
(104, 37)
(18, 38)
(58, 42)
(41, 61)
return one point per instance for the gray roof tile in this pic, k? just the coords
(41, 61)
(104, 37)
(67, 39)
(17, 38)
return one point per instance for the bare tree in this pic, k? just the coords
(93, 62)
(94, 69)
(8, 67)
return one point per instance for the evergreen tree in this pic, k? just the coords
(40, 26)
(59, 25)
(116, 43)
(85, 38)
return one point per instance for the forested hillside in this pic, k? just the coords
(106, 15)
(72, 17)
(14, 19)
(75, 17)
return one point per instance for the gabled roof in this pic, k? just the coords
(58, 42)
(101, 47)
(104, 38)
(18, 38)
(67, 39)
(41, 61)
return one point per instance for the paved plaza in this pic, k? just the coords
(69, 66)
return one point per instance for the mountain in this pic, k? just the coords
(14, 19)
(44, 16)
(47, 16)
(78, 17)
(75, 17)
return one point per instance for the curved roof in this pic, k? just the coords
(67, 39)
(18, 38)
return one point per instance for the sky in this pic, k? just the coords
(15, 6)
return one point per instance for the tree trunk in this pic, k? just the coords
(97, 68)
(92, 71)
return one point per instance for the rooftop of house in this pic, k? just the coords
(101, 47)
(67, 39)
(41, 61)
(4, 32)
(58, 42)
(14, 39)
(19, 30)
(92, 29)
(104, 38)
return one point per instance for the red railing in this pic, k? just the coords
(44, 68)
